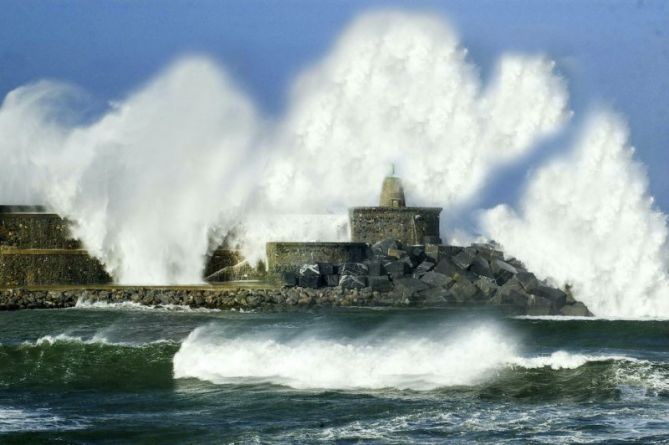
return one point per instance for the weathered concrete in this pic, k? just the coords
(224, 298)
(409, 225)
(29, 267)
(36, 248)
(230, 265)
(289, 256)
(35, 231)
(392, 193)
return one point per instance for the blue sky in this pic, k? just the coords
(611, 52)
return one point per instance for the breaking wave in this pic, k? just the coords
(133, 306)
(482, 356)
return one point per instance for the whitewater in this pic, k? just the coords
(125, 374)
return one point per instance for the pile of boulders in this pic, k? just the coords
(443, 275)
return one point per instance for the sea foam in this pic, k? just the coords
(467, 357)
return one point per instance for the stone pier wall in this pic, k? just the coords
(409, 225)
(289, 256)
(37, 249)
(35, 231)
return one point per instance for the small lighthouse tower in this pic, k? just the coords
(393, 219)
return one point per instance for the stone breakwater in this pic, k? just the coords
(210, 298)
(264, 299)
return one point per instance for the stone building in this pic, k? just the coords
(390, 219)
(393, 219)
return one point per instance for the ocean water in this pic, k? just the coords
(123, 374)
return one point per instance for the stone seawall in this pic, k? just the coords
(288, 256)
(194, 297)
(29, 267)
(35, 231)
(228, 298)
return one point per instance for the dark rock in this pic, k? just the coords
(577, 309)
(517, 264)
(397, 253)
(434, 296)
(289, 279)
(481, 267)
(380, 283)
(312, 281)
(396, 269)
(374, 268)
(527, 280)
(556, 296)
(437, 279)
(309, 269)
(326, 268)
(423, 268)
(447, 267)
(407, 287)
(511, 293)
(464, 259)
(416, 254)
(488, 251)
(540, 306)
(352, 282)
(381, 248)
(463, 291)
(503, 271)
(356, 269)
(487, 287)
(331, 280)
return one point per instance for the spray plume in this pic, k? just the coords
(588, 220)
(176, 164)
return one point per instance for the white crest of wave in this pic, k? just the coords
(439, 358)
(134, 306)
(588, 220)
(175, 166)
(565, 360)
(398, 361)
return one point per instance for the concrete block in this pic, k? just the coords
(356, 269)
(464, 259)
(436, 279)
(380, 283)
(352, 282)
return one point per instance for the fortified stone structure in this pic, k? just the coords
(393, 219)
(36, 249)
(288, 256)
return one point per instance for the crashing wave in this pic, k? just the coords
(466, 358)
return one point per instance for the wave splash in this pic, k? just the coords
(140, 183)
(465, 358)
(588, 219)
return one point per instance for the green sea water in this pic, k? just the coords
(123, 374)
